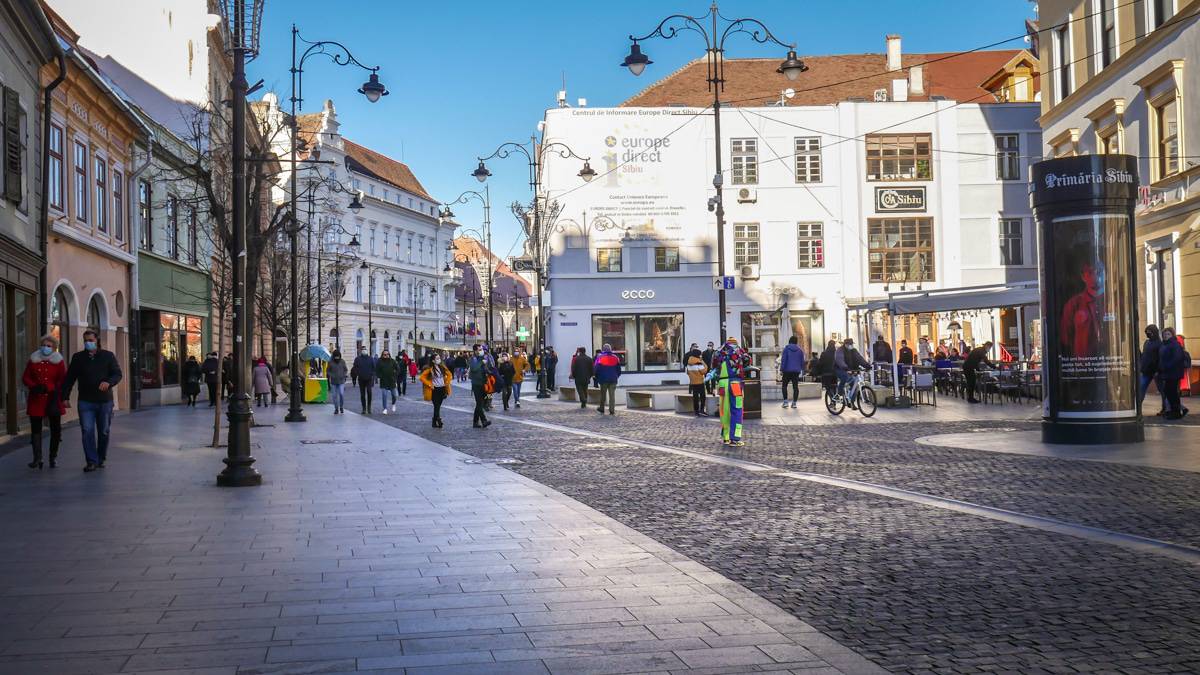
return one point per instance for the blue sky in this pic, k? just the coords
(467, 76)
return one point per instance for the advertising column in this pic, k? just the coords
(1084, 209)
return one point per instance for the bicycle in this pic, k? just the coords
(859, 396)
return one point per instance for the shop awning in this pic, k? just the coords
(960, 299)
(442, 345)
(866, 304)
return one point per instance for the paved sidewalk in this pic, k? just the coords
(373, 551)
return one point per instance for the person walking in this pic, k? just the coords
(211, 369)
(520, 364)
(696, 370)
(1172, 364)
(263, 382)
(227, 374)
(1148, 365)
(607, 370)
(551, 369)
(387, 370)
(976, 359)
(191, 380)
(582, 372)
(708, 354)
(436, 381)
(401, 363)
(411, 369)
(337, 374)
(729, 370)
(791, 364)
(481, 375)
(44, 375)
(96, 371)
(507, 373)
(363, 370)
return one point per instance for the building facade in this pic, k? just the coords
(828, 198)
(1123, 78)
(508, 293)
(28, 44)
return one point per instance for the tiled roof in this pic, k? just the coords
(754, 82)
(381, 167)
(473, 249)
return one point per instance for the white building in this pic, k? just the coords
(912, 178)
(399, 233)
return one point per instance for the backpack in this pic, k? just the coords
(1187, 361)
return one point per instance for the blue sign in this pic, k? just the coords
(727, 283)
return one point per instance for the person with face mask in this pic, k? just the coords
(387, 370)
(211, 369)
(708, 354)
(729, 371)
(44, 375)
(436, 379)
(480, 372)
(364, 373)
(508, 373)
(96, 371)
(846, 359)
(1172, 364)
(582, 371)
(337, 374)
(1148, 364)
(520, 364)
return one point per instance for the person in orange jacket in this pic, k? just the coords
(436, 380)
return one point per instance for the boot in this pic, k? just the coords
(54, 451)
(37, 452)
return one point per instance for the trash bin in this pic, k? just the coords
(752, 396)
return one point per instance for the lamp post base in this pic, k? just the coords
(295, 416)
(239, 473)
(1093, 433)
(239, 463)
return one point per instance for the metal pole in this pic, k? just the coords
(239, 463)
(370, 315)
(308, 288)
(337, 310)
(714, 54)
(295, 413)
(487, 226)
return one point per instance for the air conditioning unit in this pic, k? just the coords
(750, 271)
(881, 95)
(747, 196)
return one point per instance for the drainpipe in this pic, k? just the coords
(44, 226)
(135, 296)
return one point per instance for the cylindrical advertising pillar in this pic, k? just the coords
(1084, 210)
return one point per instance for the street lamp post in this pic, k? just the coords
(486, 236)
(373, 90)
(714, 43)
(371, 301)
(241, 20)
(416, 289)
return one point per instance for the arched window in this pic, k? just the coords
(94, 315)
(333, 332)
(60, 320)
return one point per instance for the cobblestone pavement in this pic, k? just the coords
(917, 589)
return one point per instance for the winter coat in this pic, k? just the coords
(89, 370)
(582, 369)
(262, 378)
(1170, 360)
(364, 369)
(792, 359)
(507, 373)
(696, 369)
(337, 372)
(845, 360)
(191, 378)
(520, 364)
(825, 363)
(412, 368)
(880, 352)
(906, 356)
(210, 368)
(480, 368)
(426, 379)
(977, 357)
(707, 355)
(386, 370)
(1149, 361)
(607, 367)
(44, 375)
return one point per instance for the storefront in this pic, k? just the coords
(167, 340)
(645, 343)
(18, 331)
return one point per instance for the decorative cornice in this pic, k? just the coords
(1172, 68)
(1114, 106)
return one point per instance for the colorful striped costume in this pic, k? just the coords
(729, 369)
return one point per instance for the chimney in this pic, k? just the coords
(893, 53)
(916, 80)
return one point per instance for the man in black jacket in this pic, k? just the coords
(210, 368)
(364, 372)
(977, 357)
(707, 355)
(96, 371)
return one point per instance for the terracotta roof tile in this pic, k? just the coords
(381, 167)
(754, 82)
(473, 249)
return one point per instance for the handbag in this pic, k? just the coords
(489, 385)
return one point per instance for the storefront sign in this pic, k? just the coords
(899, 200)
(641, 294)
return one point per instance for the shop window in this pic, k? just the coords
(1008, 156)
(808, 160)
(666, 259)
(169, 348)
(745, 244)
(608, 260)
(896, 157)
(620, 332)
(810, 245)
(744, 160)
(60, 320)
(1011, 242)
(900, 250)
(660, 338)
(808, 327)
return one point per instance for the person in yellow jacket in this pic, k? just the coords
(520, 364)
(696, 370)
(436, 379)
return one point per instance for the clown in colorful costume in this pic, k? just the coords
(729, 370)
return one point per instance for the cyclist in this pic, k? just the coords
(845, 360)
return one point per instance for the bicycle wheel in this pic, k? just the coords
(866, 401)
(833, 403)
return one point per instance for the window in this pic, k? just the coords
(60, 320)
(386, 235)
(358, 288)
(1011, 242)
(608, 260)
(900, 250)
(745, 244)
(192, 235)
(167, 342)
(410, 250)
(81, 182)
(1109, 141)
(666, 259)
(810, 246)
(892, 157)
(808, 160)
(55, 186)
(94, 315)
(1008, 157)
(173, 228)
(1160, 11)
(118, 210)
(372, 240)
(1108, 32)
(1166, 117)
(101, 173)
(744, 162)
(1062, 52)
(143, 197)
(643, 342)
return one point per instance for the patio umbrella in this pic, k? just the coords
(315, 352)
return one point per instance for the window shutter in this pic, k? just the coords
(12, 145)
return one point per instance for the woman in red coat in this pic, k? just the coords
(44, 375)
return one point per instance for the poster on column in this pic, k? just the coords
(1094, 352)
